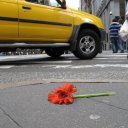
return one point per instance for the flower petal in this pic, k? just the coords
(63, 94)
(70, 88)
(68, 100)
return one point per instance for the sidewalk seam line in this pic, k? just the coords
(5, 113)
(109, 105)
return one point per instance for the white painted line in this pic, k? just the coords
(124, 58)
(55, 62)
(21, 57)
(112, 65)
(119, 58)
(82, 66)
(117, 55)
(56, 66)
(6, 67)
(112, 61)
(7, 57)
(89, 66)
(101, 58)
(62, 66)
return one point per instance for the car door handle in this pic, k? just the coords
(26, 7)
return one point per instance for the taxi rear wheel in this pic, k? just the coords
(54, 52)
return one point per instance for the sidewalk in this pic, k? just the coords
(27, 107)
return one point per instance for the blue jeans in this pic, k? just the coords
(115, 42)
(121, 44)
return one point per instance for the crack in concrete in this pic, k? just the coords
(109, 105)
(6, 114)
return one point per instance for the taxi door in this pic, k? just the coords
(43, 21)
(64, 19)
(8, 19)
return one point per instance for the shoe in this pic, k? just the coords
(122, 51)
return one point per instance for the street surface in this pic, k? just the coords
(107, 67)
(25, 84)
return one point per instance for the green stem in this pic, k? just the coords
(94, 95)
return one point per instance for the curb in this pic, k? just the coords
(45, 81)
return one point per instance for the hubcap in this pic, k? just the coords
(87, 44)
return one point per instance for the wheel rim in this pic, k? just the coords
(87, 44)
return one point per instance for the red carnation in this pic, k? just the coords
(63, 94)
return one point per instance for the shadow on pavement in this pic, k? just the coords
(32, 61)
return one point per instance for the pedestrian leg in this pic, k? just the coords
(113, 44)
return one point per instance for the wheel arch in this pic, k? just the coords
(90, 26)
(77, 30)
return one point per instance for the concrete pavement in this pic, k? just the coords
(27, 107)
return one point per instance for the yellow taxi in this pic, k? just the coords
(49, 25)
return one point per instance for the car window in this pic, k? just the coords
(52, 3)
(44, 2)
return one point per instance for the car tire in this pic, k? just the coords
(54, 52)
(87, 44)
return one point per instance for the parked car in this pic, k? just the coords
(49, 25)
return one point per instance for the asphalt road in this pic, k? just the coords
(106, 67)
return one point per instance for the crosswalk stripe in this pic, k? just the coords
(76, 67)
(63, 64)
(116, 55)
(6, 67)
(91, 66)
(110, 58)
(56, 62)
